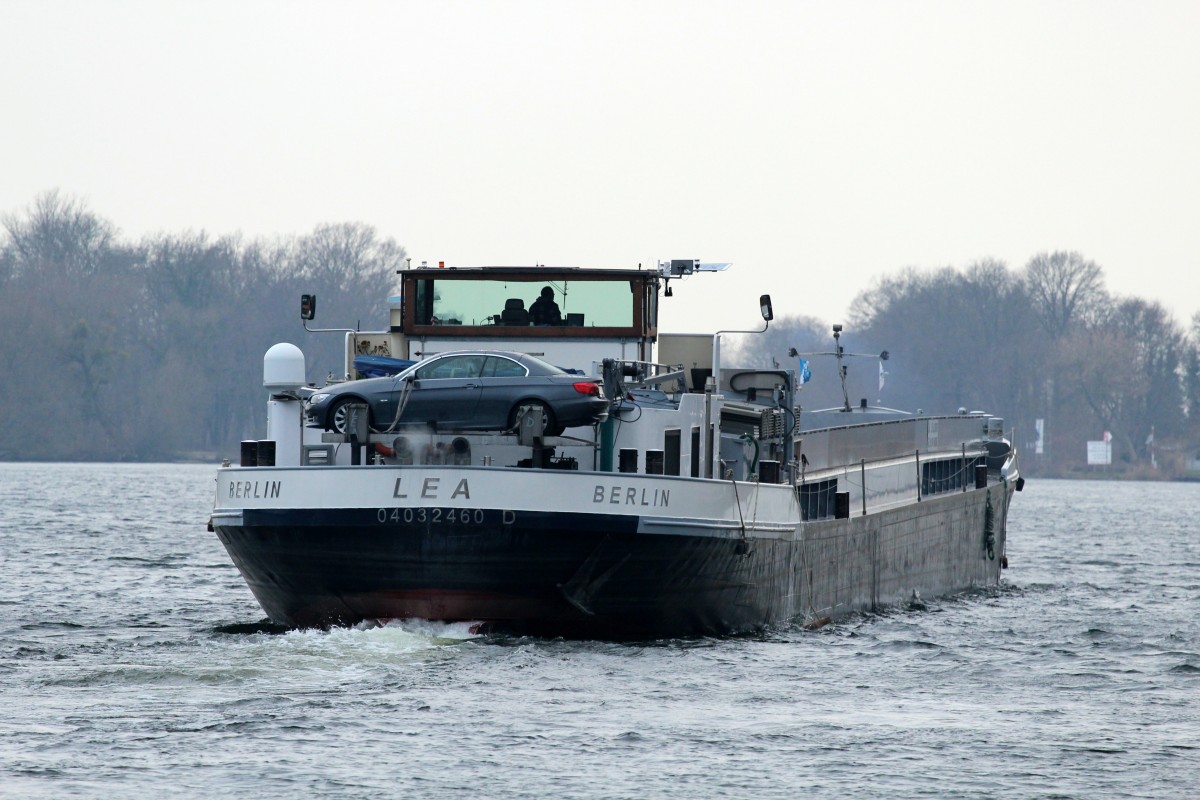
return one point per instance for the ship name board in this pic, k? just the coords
(432, 489)
(246, 490)
(631, 496)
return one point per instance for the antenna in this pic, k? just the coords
(839, 353)
(683, 267)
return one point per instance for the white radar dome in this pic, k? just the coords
(283, 368)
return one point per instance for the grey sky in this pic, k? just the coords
(815, 145)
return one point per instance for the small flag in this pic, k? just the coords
(881, 374)
(805, 372)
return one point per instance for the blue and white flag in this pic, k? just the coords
(805, 372)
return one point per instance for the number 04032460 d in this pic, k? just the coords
(449, 516)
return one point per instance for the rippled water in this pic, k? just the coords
(134, 663)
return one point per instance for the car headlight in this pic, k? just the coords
(317, 399)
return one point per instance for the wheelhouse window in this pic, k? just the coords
(511, 303)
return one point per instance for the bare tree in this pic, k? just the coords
(190, 268)
(1100, 378)
(58, 232)
(346, 256)
(871, 304)
(1128, 370)
(1191, 378)
(1063, 287)
(8, 265)
(957, 338)
(1158, 356)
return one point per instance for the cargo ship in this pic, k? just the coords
(701, 500)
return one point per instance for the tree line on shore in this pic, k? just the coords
(1047, 347)
(151, 349)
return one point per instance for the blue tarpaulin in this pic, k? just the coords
(379, 366)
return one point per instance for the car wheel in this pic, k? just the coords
(339, 415)
(552, 426)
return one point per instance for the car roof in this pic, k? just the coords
(531, 362)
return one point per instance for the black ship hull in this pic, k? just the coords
(594, 575)
(576, 575)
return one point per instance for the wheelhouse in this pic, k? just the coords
(491, 301)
